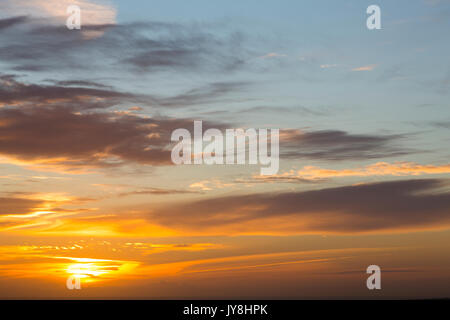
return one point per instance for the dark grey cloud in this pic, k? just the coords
(358, 208)
(81, 83)
(138, 47)
(339, 145)
(85, 94)
(444, 83)
(65, 124)
(9, 22)
(304, 111)
(42, 105)
(14, 92)
(193, 50)
(442, 124)
(64, 136)
(199, 96)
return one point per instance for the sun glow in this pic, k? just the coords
(91, 270)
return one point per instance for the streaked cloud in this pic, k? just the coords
(273, 55)
(312, 173)
(208, 185)
(132, 48)
(327, 66)
(339, 145)
(81, 96)
(365, 68)
(9, 22)
(93, 11)
(105, 139)
(384, 206)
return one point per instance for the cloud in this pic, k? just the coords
(304, 111)
(65, 139)
(208, 185)
(15, 205)
(124, 190)
(444, 83)
(155, 191)
(61, 138)
(108, 138)
(80, 83)
(68, 126)
(327, 66)
(273, 55)
(338, 145)
(442, 124)
(287, 177)
(185, 48)
(134, 47)
(92, 11)
(13, 92)
(84, 94)
(365, 68)
(9, 22)
(312, 173)
(203, 95)
(391, 206)
(23, 210)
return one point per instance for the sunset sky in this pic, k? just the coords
(88, 188)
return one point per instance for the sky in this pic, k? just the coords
(88, 189)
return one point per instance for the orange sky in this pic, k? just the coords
(88, 189)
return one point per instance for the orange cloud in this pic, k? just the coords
(365, 68)
(273, 55)
(377, 169)
(93, 11)
(101, 226)
(26, 261)
(364, 208)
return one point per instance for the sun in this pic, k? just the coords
(92, 270)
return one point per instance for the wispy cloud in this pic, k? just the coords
(394, 206)
(102, 139)
(312, 173)
(327, 66)
(132, 48)
(94, 12)
(273, 55)
(365, 68)
(339, 145)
